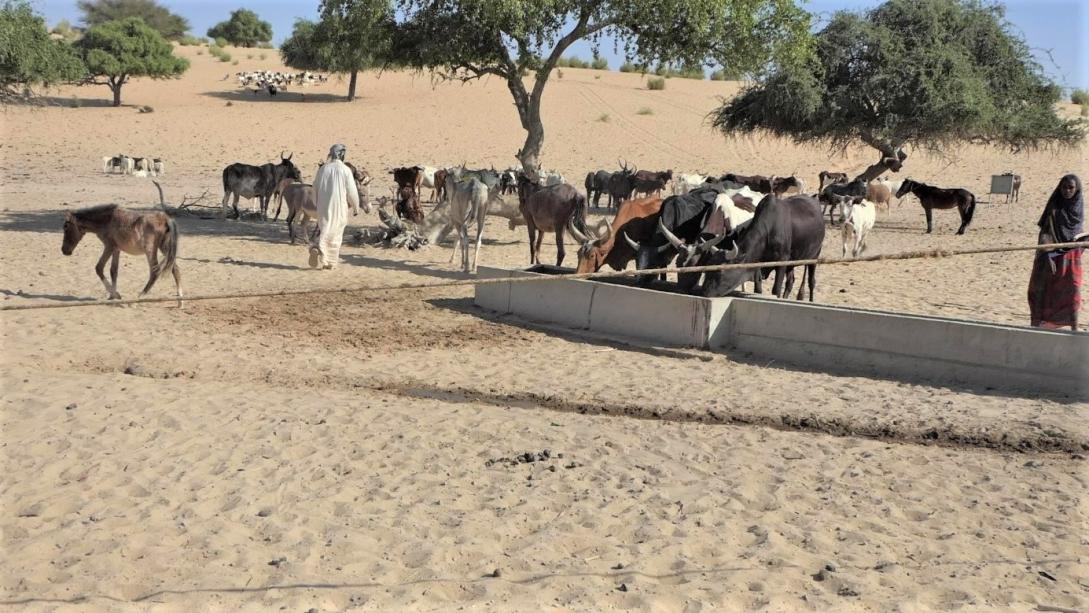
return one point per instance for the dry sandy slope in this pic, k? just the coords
(156, 458)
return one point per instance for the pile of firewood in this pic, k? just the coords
(395, 234)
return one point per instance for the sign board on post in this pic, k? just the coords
(1002, 184)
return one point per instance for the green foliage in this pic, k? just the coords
(265, 45)
(575, 62)
(224, 57)
(599, 63)
(190, 41)
(219, 41)
(215, 51)
(629, 67)
(722, 75)
(116, 51)
(98, 12)
(65, 31)
(1079, 96)
(646, 110)
(243, 29)
(656, 83)
(351, 36)
(923, 72)
(28, 56)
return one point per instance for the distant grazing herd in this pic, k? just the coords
(707, 220)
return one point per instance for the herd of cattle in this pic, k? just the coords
(707, 220)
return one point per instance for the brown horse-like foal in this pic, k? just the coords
(129, 231)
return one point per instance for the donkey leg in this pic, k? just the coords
(153, 270)
(100, 268)
(113, 273)
(929, 219)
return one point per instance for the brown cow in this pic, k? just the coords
(637, 220)
(646, 181)
(550, 209)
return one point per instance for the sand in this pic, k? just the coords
(368, 451)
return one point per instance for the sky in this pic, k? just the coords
(1057, 30)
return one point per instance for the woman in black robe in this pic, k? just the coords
(1055, 286)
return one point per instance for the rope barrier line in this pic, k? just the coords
(906, 255)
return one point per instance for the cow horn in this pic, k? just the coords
(579, 236)
(671, 237)
(634, 245)
(281, 154)
(609, 226)
(710, 244)
(733, 253)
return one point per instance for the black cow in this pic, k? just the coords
(247, 181)
(684, 217)
(621, 185)
(782, 229)
(597, 183)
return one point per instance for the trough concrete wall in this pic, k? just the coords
(883, 344)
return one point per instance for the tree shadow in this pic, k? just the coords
(353, 259)
(292, 96)
(233, 262)
(70, 102)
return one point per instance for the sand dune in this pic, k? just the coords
(381, 451)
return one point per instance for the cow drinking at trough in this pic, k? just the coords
(636, 221)
(941, 198)
(247, 181)
(549, 209)
(782, 229)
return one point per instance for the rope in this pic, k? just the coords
(906, 255)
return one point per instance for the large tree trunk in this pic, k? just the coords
(529, 114)
(116, 94)
(892, 158)
(351, 85)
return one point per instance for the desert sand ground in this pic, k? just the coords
(361, 451)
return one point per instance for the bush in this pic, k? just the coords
(662, 70)
(573, 62)
(718, 75)
(603, 118)
(1084, 111)
(264, 45)
(599, 63)
(645, 111)
(1079, 96)
(234, 63)
(656, 83)
(249, 56)
(200, 51)
(190, 41)
(628, 67)
(221, 42)
(262, 56)
(224, 57)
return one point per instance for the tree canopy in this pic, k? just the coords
(116, 51)
(28, 55)
(243, 29)
(468, 39)
(98, 12)
(351, 36)
(926, 73)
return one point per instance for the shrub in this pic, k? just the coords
(190, 41)
(224, 57)
(200, 51)
(603, 118)
(1079, 96)
(264, 45)
(645, 111)
(215, 50)
(628, 67)
(575, 62)
(662, 70)
(249, 56)
(234, 63)
(221, 42)
(229, 103)
(599, 63)
(718, 75)
(1084, 111)
(656, 83)
(262, 56)
(561, 62)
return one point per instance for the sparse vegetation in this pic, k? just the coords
(263, 56)
(599, 63)
(224, 57)
(243, 29)
(572, 62)
(1079, 96)
(603, 118)
(28, 56)
(66, 31)
(220, 41)
(234, 63)
(629, 67)
(656, 83)
(646, 110)
(1084, 111)
(116, 51)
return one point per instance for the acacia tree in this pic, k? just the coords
(116, 51)
(926, 73)
(28, 56)
(243, 29)
(98, 12)
(351, 36)
(470, 39)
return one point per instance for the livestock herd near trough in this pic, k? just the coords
(707, 220)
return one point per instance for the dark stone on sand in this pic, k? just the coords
(70, 407)
(623, 587)
(494, 574)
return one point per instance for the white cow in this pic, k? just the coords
(428, 180)
(551, 177)
(858, 221)
(735, 214)
(686, 183)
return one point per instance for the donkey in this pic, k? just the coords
(940, 198)
(130, 231)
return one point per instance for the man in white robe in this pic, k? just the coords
(334, 191)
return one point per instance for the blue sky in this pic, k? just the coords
(1058, 26)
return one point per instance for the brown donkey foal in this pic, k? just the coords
(129, 231)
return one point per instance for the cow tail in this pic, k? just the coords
(169, 247)
(970, 211)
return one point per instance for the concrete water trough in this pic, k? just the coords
(915, 348)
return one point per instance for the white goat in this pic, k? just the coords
(686, 183)
(858, 221)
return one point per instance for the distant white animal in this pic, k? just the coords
(551, 177)
(686, 183)
(469, 201)
(121, 163)
(893, 185)
(158, 167)
(859, 219)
